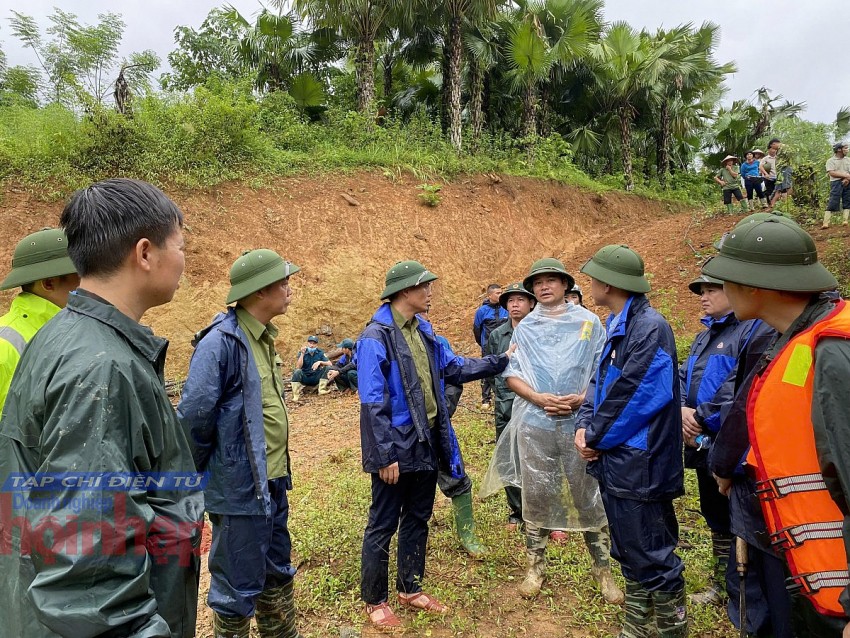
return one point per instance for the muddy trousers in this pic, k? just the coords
(406, 508)
(249, 556)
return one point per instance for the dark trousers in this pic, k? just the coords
(811, 624)
(769, 187)
(839, 196)
(486, 386)
(754, 185)
(513, 494)
(249, 555)
(768, 602)
(644, 535)
(405, 507)
(712, 504)
(347, 380)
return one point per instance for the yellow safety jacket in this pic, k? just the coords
(27, 314)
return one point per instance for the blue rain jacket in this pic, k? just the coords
(390, 431)
(632, 411)
(221, 411)
(487, 318)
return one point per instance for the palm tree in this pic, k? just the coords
(625, 62)
(482, 45)
(689, 72)
(459, 13)
(360, 22)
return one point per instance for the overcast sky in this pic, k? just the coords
(798, 49)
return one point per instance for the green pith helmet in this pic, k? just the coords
(771, 254)
(753, 219)
(514, 289)
(547, 265)
(405, 274)
(255, 270)
(696, 285)
(39, 256)
(618, 266)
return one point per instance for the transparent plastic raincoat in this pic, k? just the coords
(558, 350)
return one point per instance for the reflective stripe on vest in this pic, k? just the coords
(14, 338)
(804, 522)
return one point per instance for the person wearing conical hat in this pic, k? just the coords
(233, 410)
(406, 436)
(729, 179)
(630, 430)
(753, 181)
(46, 275)
(797, 413)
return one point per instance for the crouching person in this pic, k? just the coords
(406, 436)
(233, 410)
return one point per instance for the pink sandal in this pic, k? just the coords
(385, 618)
(421, 600)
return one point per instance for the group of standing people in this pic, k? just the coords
(763, 176)
(591, 423)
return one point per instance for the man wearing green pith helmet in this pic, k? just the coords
(630, 430)
(45, 273)
(232, 409)
(797, 413)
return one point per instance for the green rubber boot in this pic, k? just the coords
(465, 524)
(599, 547)
(276, 612)
(671, 613)
(639, 621)
(730, 208)
(231, 626)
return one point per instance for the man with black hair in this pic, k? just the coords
(233, 409)
(88, 403)
(488, 317)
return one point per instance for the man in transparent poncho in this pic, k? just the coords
(558, 348)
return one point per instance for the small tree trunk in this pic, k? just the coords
(452, 87)
(486, 101)
(364, 69)
(476, 100)
(444, 93)
(663, 155)
(626, 139)
(529, 111)
(388, 78)
(544, 123)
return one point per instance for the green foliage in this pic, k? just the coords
(834, 258)
(430, 194)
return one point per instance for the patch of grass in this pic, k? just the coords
(430, 194)
(328, 516)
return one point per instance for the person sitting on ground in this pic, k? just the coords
(838, 169)
(343, 372)
(310, 369)
(729, 179)
(753, 181)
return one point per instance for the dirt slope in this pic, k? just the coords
(485, 229)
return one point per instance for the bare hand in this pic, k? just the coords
(574, 400)
(303, 350)
(389, 474)
(846, 632)
(724, 485)
(510, 350)
(317, 365)
(332, 374)
(690, 427)
(588, 454)
(552, 404)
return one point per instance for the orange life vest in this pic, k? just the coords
(804, 522)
